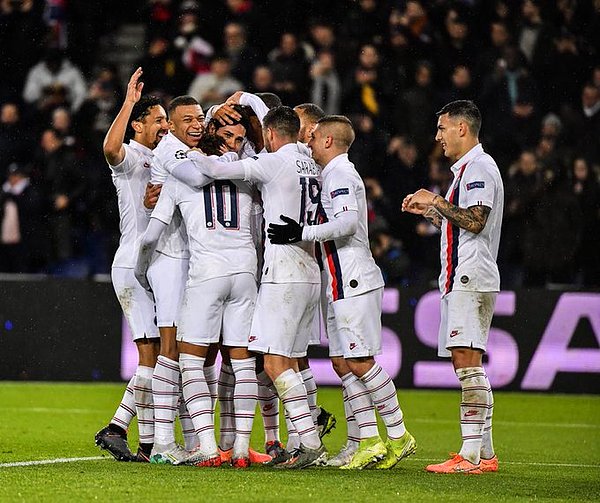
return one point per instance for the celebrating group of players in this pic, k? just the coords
(195, 275)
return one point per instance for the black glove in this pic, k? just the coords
(291, 232)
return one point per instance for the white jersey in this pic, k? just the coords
(170, 152)
(218, 221)
(348, 260)
(468, 259)
(130, 177)
(289, 182)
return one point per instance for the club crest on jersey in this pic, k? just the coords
(339, 192)
(180, 154)
(476, 185)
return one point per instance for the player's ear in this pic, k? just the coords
(137, 126)
(171, 125)
(328, 141)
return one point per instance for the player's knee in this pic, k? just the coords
(340, 366)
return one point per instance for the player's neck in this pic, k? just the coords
(141, 141)
(331, 156)
(466, 147)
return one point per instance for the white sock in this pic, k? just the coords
(244, 399)
(165, 394)
(126, 409)
(384, 397)
(311, 392)
(269, 407)
(362, 407)
(198, 400)
(212, 380)
(190, 439)
(226, 415)
(487, 444)
(353, 432)
(292, 393)
(144, 406)
(473, 410)
(293, 439)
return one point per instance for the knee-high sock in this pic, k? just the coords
(385, 399)
(226, 415)
(473, 410)
(165, 393)
(293, 439)
(212, 379)
(126, 409)
(198, 400)
(190, 438)
(244, 399)
(144, 405)
(269, 407)
(311, 392)
(292, 393)
(487, 444)
(359, 400)
(352, 430)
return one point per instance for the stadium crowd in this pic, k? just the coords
(531, 66)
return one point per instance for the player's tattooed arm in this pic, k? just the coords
(472, 219)
(434, 217)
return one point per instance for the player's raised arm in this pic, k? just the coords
(113, 142)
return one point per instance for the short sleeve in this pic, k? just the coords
(342, 192)
(165, 207)
(127, 164)
(479, 185)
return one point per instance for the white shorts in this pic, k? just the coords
(283, 318)
(137, 304)
(465, 320)
(219, 305)
(354, 325)
(167, 277)
(320, 313)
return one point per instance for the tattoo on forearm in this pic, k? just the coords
(472, 219)
(434, 217)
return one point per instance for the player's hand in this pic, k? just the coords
(234, 99)
(142, 279)
(419, 202)
(290, 232)
(134, 87)
(226, 115)
(151, 195)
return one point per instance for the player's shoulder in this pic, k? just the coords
(170, 147)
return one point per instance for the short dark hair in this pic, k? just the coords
(243, 110)
(270, 99)
(346, 136)
(283, 120)
(140, 111)
(181, 101)
(313, 112)
(211, 144)
(467, 110)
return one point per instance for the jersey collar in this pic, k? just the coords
(339, 159)
(140, 148)
(469, 156)
(289, 147)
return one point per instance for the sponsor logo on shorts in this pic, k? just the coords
(470, 413)
(454, 333)
(252, 338)
(476, 185)
(352, 345)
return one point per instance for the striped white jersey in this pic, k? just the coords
(348, 261)
(469, 260)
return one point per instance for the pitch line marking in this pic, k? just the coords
(50, 461)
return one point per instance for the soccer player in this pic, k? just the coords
(143, 120)
(290, 284)
(354, 290)
(167, 276)
(470, 218)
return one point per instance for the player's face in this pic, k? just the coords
(155, 126)
(233, 136)
(448, 136)
(267, 139)
(316, 143)
(187, 124)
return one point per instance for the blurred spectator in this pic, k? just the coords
(535, 37)
(243, 57)
(365, 22)
(460, 86)
(55, 81)
(368, 150)
(585, 187)
(583, 124)
(164, 72)
(290, 63)
(402, 172)
(390, 257)
(63, 123)
(22, 223)
(262, 80)
(326, 87)
(63, 182)
(15, 142)
(216, 86)
(456, 49)
(195, 50)
(500, 38)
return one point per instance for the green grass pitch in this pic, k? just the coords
(548, 445)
